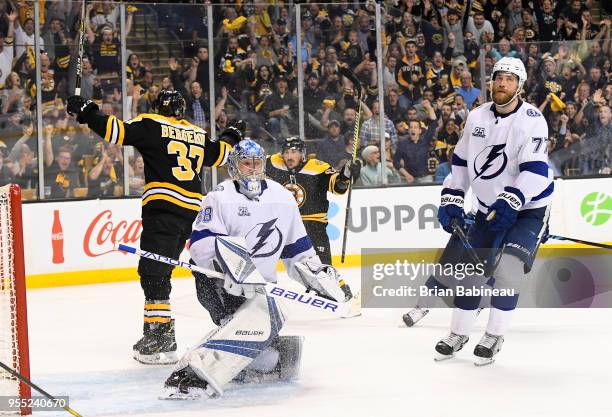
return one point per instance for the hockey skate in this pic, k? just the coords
(449, 346)
(414, 316)
(185, 384)
(158, 345)
(487, 348)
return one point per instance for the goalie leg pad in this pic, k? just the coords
(287, 351)
(220, 356)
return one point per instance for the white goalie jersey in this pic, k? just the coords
(271, 225)
(503, 150)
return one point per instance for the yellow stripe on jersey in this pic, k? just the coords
(316, 217)
(224, 151)
(277, 161)
(314, 167)
(109, 128)
(173, 187)
(121, 132)
(332, 183)
(157, 306)
(172, 200)
(157, 319)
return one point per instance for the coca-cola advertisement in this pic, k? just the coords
(108, 228)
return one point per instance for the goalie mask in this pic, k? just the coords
(247, 166)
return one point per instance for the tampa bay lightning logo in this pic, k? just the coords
(490, 162)
(268, 239)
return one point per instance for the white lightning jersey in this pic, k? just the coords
(271, 225)
(503, 153)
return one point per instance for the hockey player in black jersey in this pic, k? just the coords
(309, 181)
(174, 152)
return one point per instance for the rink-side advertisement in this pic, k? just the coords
(72, 242)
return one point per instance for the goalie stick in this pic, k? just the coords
(37, 388)
(347, 309)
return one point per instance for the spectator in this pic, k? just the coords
(6, 48)
(103, 177)
(412, 155)
(280, 110)
(196, 105)
(477, 24)
(393, 109)
(25, 168)
(11, 97)
(370, 129)
(513, 12)
(135, 69)
(60, 174)
(549, 82)
(467, 90)
(331, 148)
(6, 172)
(137, 176)
(371, 171)
(105, 15)
(24, 37)
(265, 53)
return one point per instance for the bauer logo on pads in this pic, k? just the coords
(235, 260)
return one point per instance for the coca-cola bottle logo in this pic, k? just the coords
(103, 233)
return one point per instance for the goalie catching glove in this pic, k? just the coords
(323, 279)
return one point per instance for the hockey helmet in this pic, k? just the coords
(513, 66)
(294, 142)
(170, 103)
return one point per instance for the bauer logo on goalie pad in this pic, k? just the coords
(314, 301)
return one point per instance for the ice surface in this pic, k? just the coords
(553, 363)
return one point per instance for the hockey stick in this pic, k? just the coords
(79, 67)
(557, 237)
(37, 388)
(466, 244)
(273, 290)
(350, 189)
(584, 242)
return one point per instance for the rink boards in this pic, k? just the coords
(385, 218)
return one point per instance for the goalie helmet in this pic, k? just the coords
(247, 166)
(513, 66)
(170, 103)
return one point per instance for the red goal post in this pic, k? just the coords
(14, 350)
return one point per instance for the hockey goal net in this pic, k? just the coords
(13, 312)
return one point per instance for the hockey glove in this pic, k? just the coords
(451, 208)
(350, 170)
(234, 133)
(504, 211)
(323, 279)
(81, 107)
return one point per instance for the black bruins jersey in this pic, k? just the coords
(173, 151)
(309, 185)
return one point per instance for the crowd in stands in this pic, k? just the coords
(437, 57)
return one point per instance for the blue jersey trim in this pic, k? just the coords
(536, 167)
(548, 191)
(460, 162)
(293, 249)
(203, 234)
